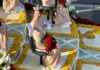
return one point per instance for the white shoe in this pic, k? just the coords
(48, 25)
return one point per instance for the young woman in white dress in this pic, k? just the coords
(37, 31)
(3, 37)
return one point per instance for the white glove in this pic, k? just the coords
(48, 25)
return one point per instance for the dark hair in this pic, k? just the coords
(1, 1)
(0, 23)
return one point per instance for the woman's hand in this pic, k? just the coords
(43, 32)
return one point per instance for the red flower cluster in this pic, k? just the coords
(50, 43)
(86, 21)
(62, 2)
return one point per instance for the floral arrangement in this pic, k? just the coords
(62, 2)
(4, 60)
(49, 42)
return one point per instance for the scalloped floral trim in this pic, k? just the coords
(89, 34)
(81, 62)
(16, 43)
(70, 58)
(22, 19)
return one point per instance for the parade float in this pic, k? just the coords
(78, 42)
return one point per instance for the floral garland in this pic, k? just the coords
(85, 21)
(12, 52)
(89, 26)
(17, 64)
(22, 19)
(92, 32)
(90, 35)
(16, 44)
(80, 62)
(4, 60)
(82, 45)
(71, 56)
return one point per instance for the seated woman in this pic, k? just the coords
(36, 30)
(3, 37)
(12, 6)
(62, 16)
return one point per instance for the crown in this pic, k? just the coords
(37, 7)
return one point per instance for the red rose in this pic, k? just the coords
(50, 43)
(62, 2)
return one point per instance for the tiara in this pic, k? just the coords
(37, 7)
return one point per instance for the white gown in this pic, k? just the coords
(3, 37)
(62, 17)
(10, 5)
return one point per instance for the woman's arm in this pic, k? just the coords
(40, 30)
(38, 25)
(39, 44)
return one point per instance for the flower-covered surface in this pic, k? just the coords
(89, 48)
(23, 58)
(89, 37)
(76, 55)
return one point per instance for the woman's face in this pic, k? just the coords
(37, 14)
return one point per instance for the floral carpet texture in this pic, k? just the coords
(80, 46)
